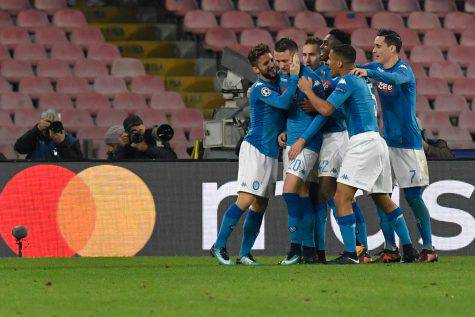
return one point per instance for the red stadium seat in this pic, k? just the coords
(457, 138)
(349, 21)
(35, 86)
(363, 38)
(236, 21)
(422, 104)
(330, 7)
(53, 69)
(74, 119)
(47, 36)
(50, 6)
(423, 21)
(12, 101)
(12, 36)
(458, 21)
(108, 85)
(84, 37)
(252, 37)
(31, 19)
(471, 71)
(167, 100)
(468, 38)
(322, 32)
(12, 133)
(4, 54)
(67, 52)
(453, 105)
(56, 101)
(196, 133)
(464, 55)
(432, 87)
(30, 52)
(426, 55)
(290, 7)
(253, 7)
(4, 86)
(129, 102)
(188, 117)
(152, 117)
(5, 19)
(443, 39)
(403, 7)
(110, 117)
(410, 39)
(14, 6)
(5, 120)
(147, 85)
(198, 21)
(217, 7)
(464, 87)
(387, 20)
(180, 149)
(26, 117)
(446, 70)
(92, 102)
(273, 21)
(72, 86)
(360, 56)
(434, 120)
(127, 68)
(216, 39)
(90, 69)
(15, 70)
(467, 120)
(297, 35)
(440, 7)
(69, 19)
(180, 7)
(418, 71)
(309, 21)
(470, 6)
(241, 49)
(105, 53)
(91, 133)
(368, 7)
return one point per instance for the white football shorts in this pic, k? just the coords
(331, 155)
(409, 167)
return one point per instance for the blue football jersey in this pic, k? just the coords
(333, 123)
(297, 120)
(397, 92)
(268, 114)
(355, 96)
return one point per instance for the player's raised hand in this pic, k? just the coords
(359, 72)
(295, 65)
(296, 148)
(282, 139)
(305, 84)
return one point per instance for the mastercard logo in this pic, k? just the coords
(103, 210)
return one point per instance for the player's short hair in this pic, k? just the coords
(346, 52)
(313, 41)
(286, 44)
(391, 38)
(256, 52)
(340, 36)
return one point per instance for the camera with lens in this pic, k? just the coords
(135, 137)
(56, 127)
(162, 133)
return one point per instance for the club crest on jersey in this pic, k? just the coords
(385, 87)
(265, 92)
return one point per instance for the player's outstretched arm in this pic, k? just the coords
(322, 106)
(309, 133)
(400, 76)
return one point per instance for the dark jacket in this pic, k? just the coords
(39, 147)
(438, 149)
(153, 152)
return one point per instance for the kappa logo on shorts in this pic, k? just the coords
(265, 92)
(345, 177)
(256, 185)
(334, 171)
(292, 229)
(243, 184)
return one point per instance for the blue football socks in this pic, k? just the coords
(388, 232)
(347, 226)
(320, 225)
(361, 234)
(230, 219)
(397, 221)
(250, 231)
(421, 213)
(308, 222)
(294, 216)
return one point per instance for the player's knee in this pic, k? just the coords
(245, 200)
(384, 202)
(292, 184)
(260, 204)
(326, 189)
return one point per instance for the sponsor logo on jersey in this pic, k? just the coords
(385, 87)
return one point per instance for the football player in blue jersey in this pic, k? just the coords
(396, 86)
(258, 154)
(335, 141)
(366, 163)
(297, 171)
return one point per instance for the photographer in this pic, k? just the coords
(140, 143)
(48, 140)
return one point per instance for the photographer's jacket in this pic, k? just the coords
(164, 152)
(39, 147)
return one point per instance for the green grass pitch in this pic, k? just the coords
(197, 286)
